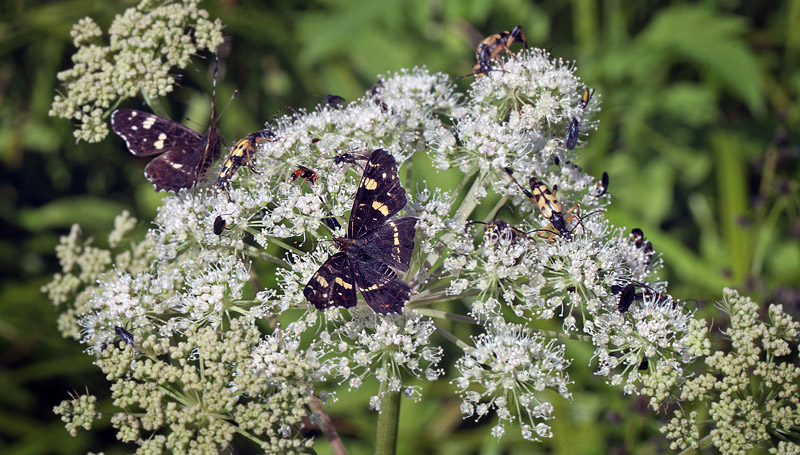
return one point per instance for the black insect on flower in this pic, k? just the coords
(334, 100)
(332, 223)
(637, 236)
(351, 158)
(574, 129)
(602, 185)
(626, 298)
(219, 224)
(185, 154)
(628, 295)
(372, 247)
(125, 336)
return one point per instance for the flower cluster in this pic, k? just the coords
(368, 345)
(186, 286)
(197, 395)
(749, 393)
(511, 365)
(145, 44)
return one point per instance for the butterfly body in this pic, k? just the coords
(372, 248)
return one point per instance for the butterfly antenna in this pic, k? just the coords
(211, 147)
(458, 78)
(216, 71)
(233, 95)
(313, 243)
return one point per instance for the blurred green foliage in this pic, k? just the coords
(699, 132)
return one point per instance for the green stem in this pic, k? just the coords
(156, 105)
(445, 333)
(563, 336)
(467, 206)
(701, 444)
(445, 315)
(436, 297)
(386, 443)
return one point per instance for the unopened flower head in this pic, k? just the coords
(751, 393)
(145, 44)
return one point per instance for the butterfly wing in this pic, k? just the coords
(392, 243)
(379, 196)
(173, 171)
(332, 284)
(146, 134)
(382, 290)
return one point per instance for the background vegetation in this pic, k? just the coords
(699, 134)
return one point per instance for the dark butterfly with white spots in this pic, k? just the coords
(185, 154)
(372, 246)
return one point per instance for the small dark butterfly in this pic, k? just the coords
(185, 154)
(371, 248)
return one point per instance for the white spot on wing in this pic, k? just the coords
(160, 142)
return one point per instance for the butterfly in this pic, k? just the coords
(185, 154)
(372, 246)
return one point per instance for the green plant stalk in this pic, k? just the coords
(386, 442)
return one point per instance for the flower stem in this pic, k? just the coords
(563, 336)
(467, 206)
(445, 315)
(326, 425)
(386, 443)
(445, 333)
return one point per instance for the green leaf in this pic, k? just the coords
(86, 210)
(713, 42)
